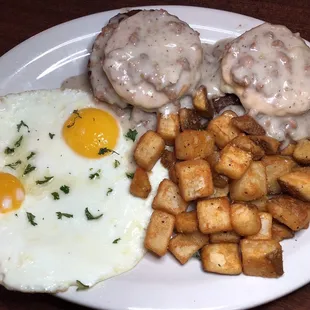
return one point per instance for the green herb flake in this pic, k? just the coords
(9, 150)
(14, 165)
(51, 135)
(29, 169)
(55, 195)
(19, 126)
(76, 112)
(116, 240)
(31, 218)
(81, 286)
(95, 175)
(130, 175)
(46, 180)
(19, 142)
(65, 189)
(31, 155)
(197, 255)
(109, 191)
(116, 163)
(105, 150)
(92, 217)
(131, 134)
(60, 215)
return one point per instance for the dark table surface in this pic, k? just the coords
(21, 19)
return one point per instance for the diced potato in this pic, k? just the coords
(168, 159)
(140, 185)
(289, 150)
(168, 127)
(302, 152)
(252, 185)
(245, 219)
(262, 258)
(213, 159)
(219, 180)
(168, 198)
(248, 124)
(223, 129)
(281, 232)
(268, 144)
(233, 162)
(261, 204)
(214, 215)
(190, 119)
(173, 175)
(225, 237)
(265, 232)
(195, 179)
(223, 102)
(193, 144)
(289, 211)
(183, 247)
(276, 166)
(186, 222)
(220, 192)
(201, 102)
(148, 150)
(222, 258)
(297, 184)
(159, 232)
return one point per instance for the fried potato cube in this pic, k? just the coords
(173, 175)
(265, 232)
(302, 152)
(195, 179)
(222, 258)
(262, 258)
(289, 211)
(268, 144)
(261, 204)
(223, 102)
(297, 184)
(159, 232)
(288, 150)
(193, 144)
(184, 246)
(220, 192)
(276, 166)
(248, 124)
(140, 185)
(225, 237)
(168, 127)
(190, 119)
(168, 159)
(168, 198)
(222, 128)
(252, 185)
(214, 215)
(148, 150)
(233, 162)
(186, 222)
(201, 102)
(220, 181)
(281, 232)
(244, 143)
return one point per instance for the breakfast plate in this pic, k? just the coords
(44, 62)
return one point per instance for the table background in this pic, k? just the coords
(21, 19)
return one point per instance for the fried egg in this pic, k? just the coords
(66, 215)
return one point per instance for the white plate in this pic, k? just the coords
(48, 58)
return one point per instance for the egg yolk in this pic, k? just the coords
(12, 193)
(88, 130)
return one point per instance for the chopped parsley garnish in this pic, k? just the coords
(31, 218)
(197, 255)
(109, 191)
(51, 135)
(60, 215)
(76, 112)
(116, 163)
(55, 195)
(19, 126)
(46, 180)
(95, 175)
(131, 134)
(31, 155)
(18, 142)
(14, 165)
(9, 150)
(81, 286)
(116, 240)
(29, 169)
(130, 175)
(104, 150)
(65, 189)
(92, 217)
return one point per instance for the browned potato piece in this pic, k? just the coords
(289, 150)
(219, 180)
(222, 258)
(190, 119)
(173, 175)
(223, 102)
(148, 150)
(192, 144)
(213, 159)
(186, 222)
(268, 144)
(252, 185)
(297, 184)
(248, 124)
(168, 127)
(222, 129)
(262, 258)
(195, 179)
(201, 102)
(233, 162)
(140, 185)
(261, 204)
(265, 232)
(289, 211)
(168, 159)
(214, 215)
(302, 152)
(276, 166)
(220, 192)
(225, 237)
(183, 247)
(244, 143)
(168, 198)
(281, 232)
(159, 232)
